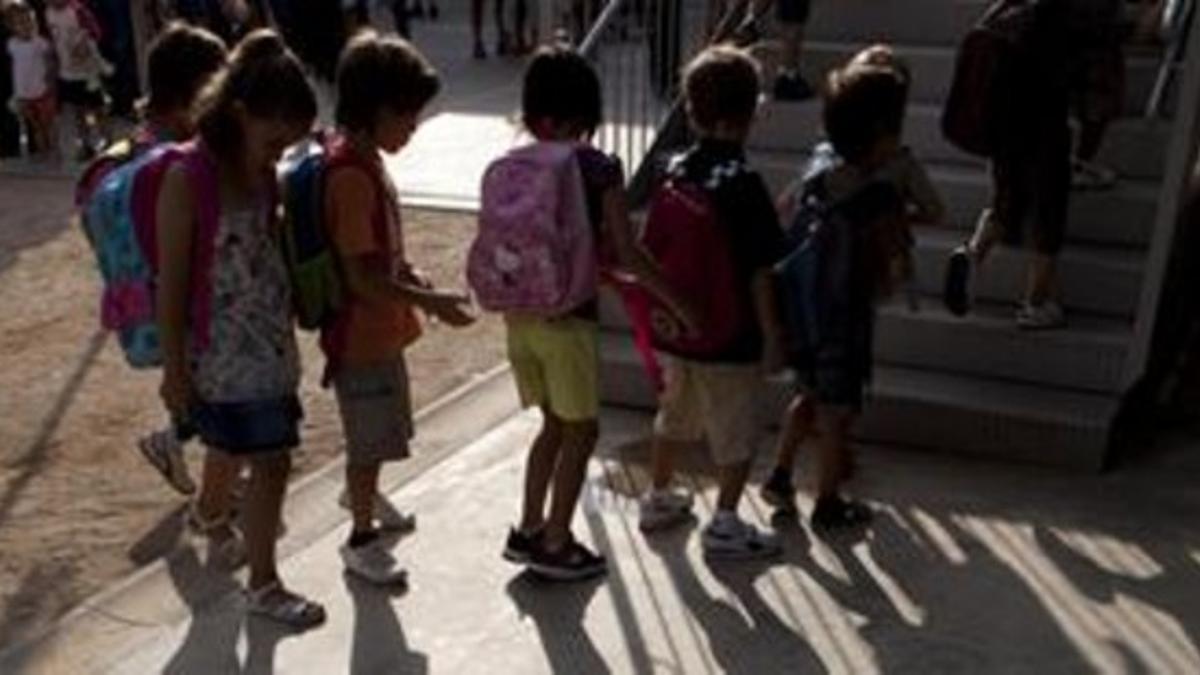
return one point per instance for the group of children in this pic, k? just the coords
(231, 365)
(64, 71)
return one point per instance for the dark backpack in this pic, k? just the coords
(978, 117)
(685, 236)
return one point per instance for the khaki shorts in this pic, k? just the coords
(376, 410)
(717, 402)
(556, 365)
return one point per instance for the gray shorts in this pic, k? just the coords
(376, 410)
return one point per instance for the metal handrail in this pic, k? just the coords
(1176, 21)
(1182, 153)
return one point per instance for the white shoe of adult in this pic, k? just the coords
(1045, 316)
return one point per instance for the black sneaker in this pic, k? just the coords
(574, 562)
(835, 513)
(792, 87)
(520, 546)
(779, 492)
(958, 273)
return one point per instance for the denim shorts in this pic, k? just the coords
(249, 427)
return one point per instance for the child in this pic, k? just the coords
(718, 399)
(182, 59)
(31, 70)
(237, 381)
(80, 68)
(1097, 83)
(10, 123)
(383, 85)
(554, 360)
(864, 115)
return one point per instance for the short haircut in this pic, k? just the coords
(721, 85)
(561, 85)
(182, 59)
(377, 73)
(863, 105)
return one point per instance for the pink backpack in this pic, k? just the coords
(535, 252)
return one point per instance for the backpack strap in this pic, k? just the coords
(201, 168)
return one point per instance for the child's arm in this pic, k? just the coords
(367, 269)
(923, 194)
(176, 222)
(632, 258)
(369, 279)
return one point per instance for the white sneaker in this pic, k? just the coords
(732, 538)
(390, 519)
(373, 563)
(164, 451)
(1045, 316)
(661, 509)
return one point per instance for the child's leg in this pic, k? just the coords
(476, 25)
(797, 425)
(215, 500)
(503, 38)
(832, 449)
(539, 469)
(263, 511)
(731, 481)
(578, 442)
(362, 483)
(1041, 281)
(520, 28)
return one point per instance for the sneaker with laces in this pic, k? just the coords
(1045, 316)
(164, 451)
(390, 520)
(374, 563)
(779, 491)
(732, 538)
(572, 562)
(661, 509)
(519, 546)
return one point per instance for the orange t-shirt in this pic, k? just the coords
(376, 331)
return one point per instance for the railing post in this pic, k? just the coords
(1181, 156)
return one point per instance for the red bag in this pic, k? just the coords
(689, 242)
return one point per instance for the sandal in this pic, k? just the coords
(225, 542)
(275, 602)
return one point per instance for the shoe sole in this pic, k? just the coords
(954, 294)
(515, 557)
(723, 554)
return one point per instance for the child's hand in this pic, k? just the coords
(451, 308)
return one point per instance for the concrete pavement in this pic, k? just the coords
(970, 567)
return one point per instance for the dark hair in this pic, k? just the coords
(181, 61)
(266, 78)
(377, 73)
(721, 84)
(561, 85)
(863, 104)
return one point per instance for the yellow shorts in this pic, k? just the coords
(556, 365)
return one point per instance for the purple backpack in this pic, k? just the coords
(534, 253)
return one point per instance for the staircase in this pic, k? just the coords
(977, 385)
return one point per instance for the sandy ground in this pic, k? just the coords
(78, 506)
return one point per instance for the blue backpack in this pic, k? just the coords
(817, 278)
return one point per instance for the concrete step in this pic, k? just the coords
(1134, 147)
(1089, 354)
(924, 409)
(1095, 280)
(1121, 216)
(933, 69)
(915, 22)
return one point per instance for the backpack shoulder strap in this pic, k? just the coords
(339, 156)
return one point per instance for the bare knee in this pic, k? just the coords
(272, 467)
(580, 436)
